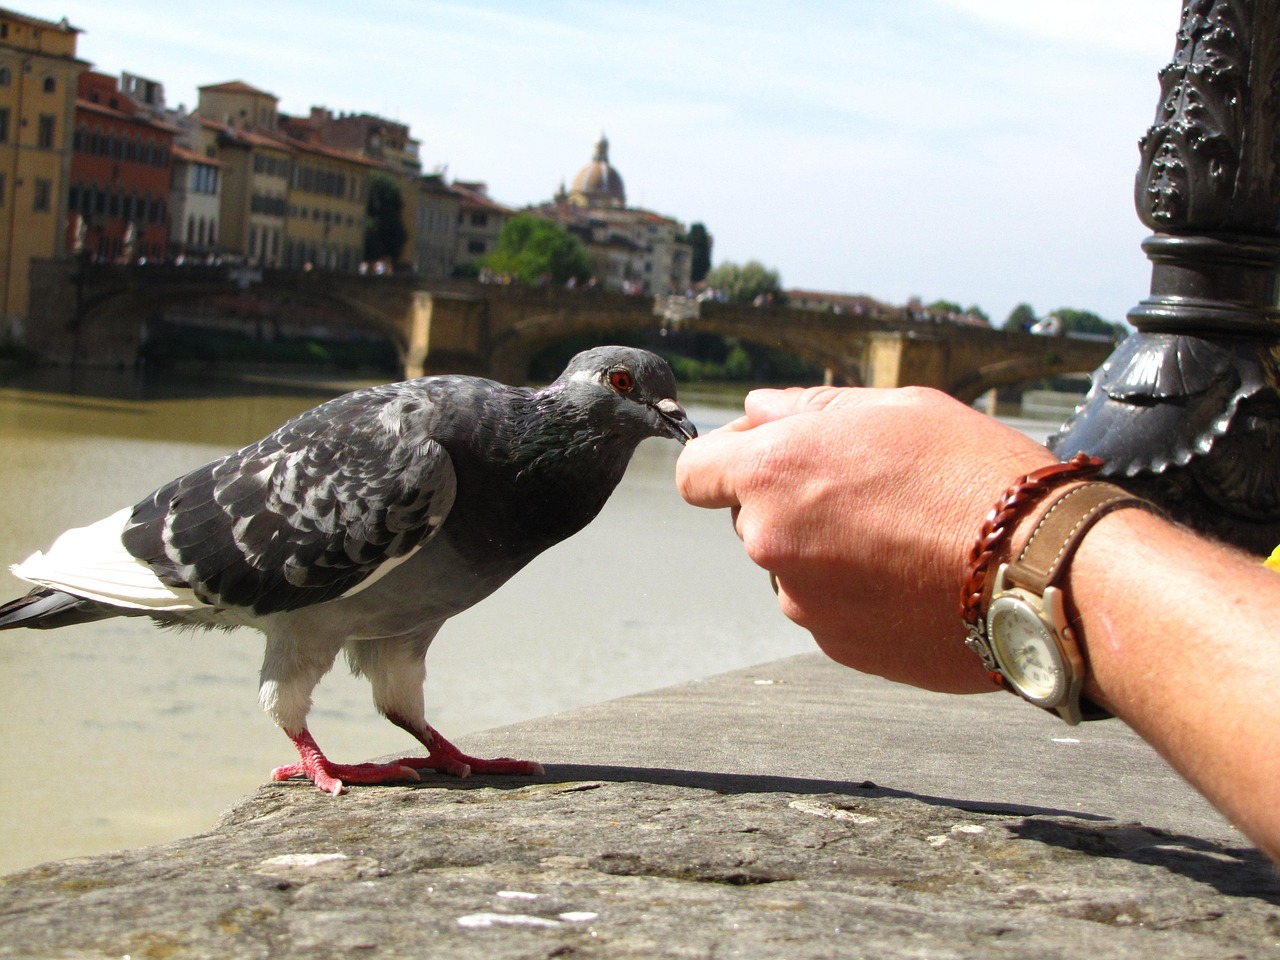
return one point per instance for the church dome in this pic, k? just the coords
(598, 184)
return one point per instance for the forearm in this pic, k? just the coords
(1181, 640)
(864, 505)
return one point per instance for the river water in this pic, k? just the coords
(116, 734)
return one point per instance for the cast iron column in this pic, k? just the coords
(1186, 411)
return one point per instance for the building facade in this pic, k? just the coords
(479, 221)
(255, 184)
(39, 74)
(195, 203)
(118, 200)
(384, 141)
(432, 221)
(327, 208)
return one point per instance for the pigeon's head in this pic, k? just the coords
(638, 387)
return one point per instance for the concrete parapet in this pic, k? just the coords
(791, 810)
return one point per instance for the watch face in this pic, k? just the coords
(1025, 649)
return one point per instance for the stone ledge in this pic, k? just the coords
(611, 860)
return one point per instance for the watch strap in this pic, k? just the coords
(1060, 529)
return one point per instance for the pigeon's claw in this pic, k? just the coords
(446, 758)
(461, 765)
(332, 777)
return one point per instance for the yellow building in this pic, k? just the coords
(39, 73)
(237, 104)
(287, 199)
(255, 182)
(328, 202)
(255, 186)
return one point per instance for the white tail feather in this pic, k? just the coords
(91, 562)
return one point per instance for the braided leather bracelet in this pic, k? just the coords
(994, 535)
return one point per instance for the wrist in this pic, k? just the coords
(1021, 621)
(1015, 506)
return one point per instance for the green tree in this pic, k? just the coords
(944, 308)
(700, 241)
(742, 284)
(1020, 318)
(531, 248)
(384, 233)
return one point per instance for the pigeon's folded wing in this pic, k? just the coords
(320, 508)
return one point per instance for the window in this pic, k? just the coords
(5, 76)
(475, 246)
(50, 85)
(2, 186)
(45, 131)
(43, 194)
(479, 219)
(4, 124)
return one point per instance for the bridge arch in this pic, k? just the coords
(1017, 370)
(120, 312)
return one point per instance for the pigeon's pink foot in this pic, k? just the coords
(331, 777)
(447, 758)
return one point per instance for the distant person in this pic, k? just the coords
(865, 504)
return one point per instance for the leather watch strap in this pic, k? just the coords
(1059, 530)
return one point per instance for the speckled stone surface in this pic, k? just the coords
(703, 821)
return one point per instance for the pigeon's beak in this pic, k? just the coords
(676, 420)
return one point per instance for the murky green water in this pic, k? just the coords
(117, 734)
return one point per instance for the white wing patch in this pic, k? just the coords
(91, 562)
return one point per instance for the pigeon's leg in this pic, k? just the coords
(332, 777)
(290, 671)
(397, 669)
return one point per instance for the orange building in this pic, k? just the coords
(118, 202)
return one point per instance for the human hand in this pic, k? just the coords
(864, 505)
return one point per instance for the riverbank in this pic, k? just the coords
(794, 809)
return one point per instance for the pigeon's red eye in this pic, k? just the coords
(621, 381)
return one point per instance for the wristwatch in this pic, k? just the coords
(1029, 634)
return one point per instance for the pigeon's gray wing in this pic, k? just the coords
(307, 513)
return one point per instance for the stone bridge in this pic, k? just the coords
(99, 315)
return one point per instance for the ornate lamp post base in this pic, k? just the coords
(1187, 410)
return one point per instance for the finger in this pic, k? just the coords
(766, 406)
(705, 470)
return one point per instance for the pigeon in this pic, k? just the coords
(361, 526)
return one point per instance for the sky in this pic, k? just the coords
(978, 151)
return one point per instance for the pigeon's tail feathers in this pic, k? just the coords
(90, 563)
(44, 609)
